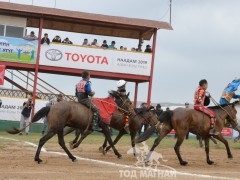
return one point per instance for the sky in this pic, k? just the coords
(205, 43)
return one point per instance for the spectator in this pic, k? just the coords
(67, 41)
(45, 39)
(133, 49)
(139, 49)
(94, 43)
(112, 46)
(85, 43)
(25, 114)
(31, 36)
(148, 49)
(167, 109)
(0, 103)
(57, 39)
(159, 110)
(125, 48)
(187, 105)
(104, 45)
(45, 123)
(121, 48)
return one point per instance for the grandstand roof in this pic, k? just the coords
(74, 21)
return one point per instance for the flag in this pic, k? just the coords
(2, 73)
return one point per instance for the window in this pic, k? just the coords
(2, 30)
(13, 31)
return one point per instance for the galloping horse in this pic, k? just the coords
(184, 120)
(118, 122)
(75, 115)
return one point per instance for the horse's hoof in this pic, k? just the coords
(100, 149)
(184, 163)
(230, 157)
(39, 161)
(210, 162)
(119, 156)
(74, 159)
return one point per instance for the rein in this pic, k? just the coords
(219, 105)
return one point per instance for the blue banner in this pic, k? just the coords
(18, 50)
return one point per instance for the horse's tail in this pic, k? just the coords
(40, 114)
(165, 117)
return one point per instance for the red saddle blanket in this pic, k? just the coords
(106, 108)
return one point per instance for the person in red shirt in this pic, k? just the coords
(199, 98)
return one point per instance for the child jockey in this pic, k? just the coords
(199, 98)
(121, 88)
(121, 85)
(83, 91)
(229, 92)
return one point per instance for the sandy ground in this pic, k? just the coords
(16, 162)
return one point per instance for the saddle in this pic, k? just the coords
(106, 106)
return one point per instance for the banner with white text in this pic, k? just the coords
(97, 59)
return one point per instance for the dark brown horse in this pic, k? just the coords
(118, 121)
(184, 120)
(75, 115)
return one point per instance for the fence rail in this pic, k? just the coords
(39, 95)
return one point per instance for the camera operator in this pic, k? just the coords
(25, 114)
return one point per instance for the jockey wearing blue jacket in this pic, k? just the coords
(229, 92)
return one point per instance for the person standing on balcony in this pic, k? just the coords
(112, 46)
(45, 39)
(25, 114)
(31, 36)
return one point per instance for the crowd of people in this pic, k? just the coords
(94, 43)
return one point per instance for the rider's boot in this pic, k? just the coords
(212, 130)
(96, 120)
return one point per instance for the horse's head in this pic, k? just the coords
(232, 114)
(149, 115)
(123, 101)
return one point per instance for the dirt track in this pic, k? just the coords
(17, 163)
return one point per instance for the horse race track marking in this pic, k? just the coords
(118, 165)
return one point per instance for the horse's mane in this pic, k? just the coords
(224, 105)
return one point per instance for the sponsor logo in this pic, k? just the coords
(149, 164)
(53, 55)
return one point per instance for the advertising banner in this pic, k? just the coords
(227, 132)
(18, 50)
(11, 108)
(2, 73)
(97, 59)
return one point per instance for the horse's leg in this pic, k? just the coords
(83, 136)
(102, 148)
(213, 140)
(75, 140)
(133, 136)
(106, 132)
(62, 144)
(68, 130)
(177, 148)
(119, 136)
(42, 141)
(221, 138)
(200, 141)
(163, 132)
(206, 140)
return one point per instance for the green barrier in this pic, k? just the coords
(5, 125)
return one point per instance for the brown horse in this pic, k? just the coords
(118, 121)
(183, 120)
(75, 115)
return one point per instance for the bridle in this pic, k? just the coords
(230, 115)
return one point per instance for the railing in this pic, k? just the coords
(22, 94)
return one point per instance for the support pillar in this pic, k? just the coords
(37, 62)
(152, 67)
(136, 95)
